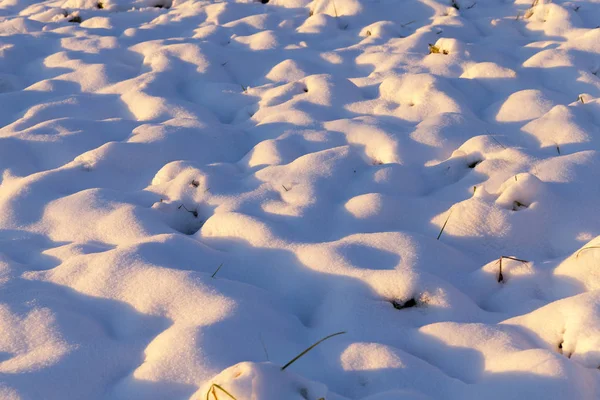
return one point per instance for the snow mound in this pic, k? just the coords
(193, 192)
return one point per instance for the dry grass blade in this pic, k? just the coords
(444, 226)
(263, 346)
(212, 388)
(586, 248)
(215, 273)
(515, 259)
(497, 141)
(293, 360)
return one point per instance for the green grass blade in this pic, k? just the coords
(214, 385)
(293, 360)
(443, 226)
(586, 248)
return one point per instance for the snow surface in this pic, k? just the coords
(310, 151)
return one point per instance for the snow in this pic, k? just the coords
(194, 192)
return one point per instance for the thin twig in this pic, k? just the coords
(193, 212)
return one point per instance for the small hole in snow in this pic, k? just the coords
(408, 304)
(474, 163)
(517, 205)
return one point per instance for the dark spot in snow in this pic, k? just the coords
(474, 164)
(399, 306)
(304, 393)
(100, 5)
(264, 1)
(433, 49)
(76, 19)
(517, 205)
(195, 183)
(305, 90)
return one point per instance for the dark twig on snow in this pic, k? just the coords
(500, 276)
